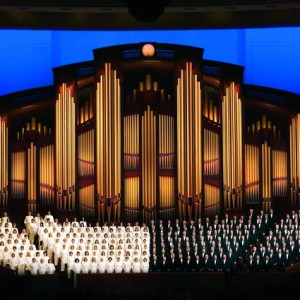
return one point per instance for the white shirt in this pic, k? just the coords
(34, 268)
(85, 267)
(27, 220)
(102, 266)
(127, 266)
(93, 267)
(145, 267)
(77, 267)
(118, 266)
(136, 267)
(42, 268)
(50, 268)
(110, 266)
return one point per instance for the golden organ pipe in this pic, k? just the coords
(108, 136)
(86, 111)
(4, 161)
(148, 82)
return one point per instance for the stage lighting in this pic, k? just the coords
(144, 11)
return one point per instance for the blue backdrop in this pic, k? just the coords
(270, 55)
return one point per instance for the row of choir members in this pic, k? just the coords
(94, 236)
(49, 221)
(56, 247)
(27, 263)
(110, 265)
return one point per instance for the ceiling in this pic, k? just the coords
(154, 14)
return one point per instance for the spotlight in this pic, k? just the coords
(145, 11)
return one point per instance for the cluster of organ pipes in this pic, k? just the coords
(264, 124)
(108, 143)
(266, 170)
(295, 160)
(132, 197)
(149, 85)
(166, 141)
(47, 186)
(166, 196)
(211, 155)
(252, 178)
(86, 153)
(86, 201)
(43, 130)
(212, 200)
(210, 110)
(156, 131)
(65, 149)
(189, 143)
(18, 174)
(149, 163)
(131, 141)
(232, 147)
(31, 177)
(86, 111)
(4, 162)
(279, 173)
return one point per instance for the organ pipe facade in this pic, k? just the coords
(18, 174)
(252, 174)
(295, 160)
(232, 147)
(3, 162)
(46, 171)
(108, 142)
(149, 163)
(189, 140)
(65, 149)
(137, 136)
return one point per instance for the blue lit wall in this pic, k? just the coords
(270, 56)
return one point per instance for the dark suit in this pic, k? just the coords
(215, 265)
(154, 265)
(258, 265)
(206, 265)
(180, 265)
(280, 262)
(188, 266)
(268, 265)
(164, 266)
(288, 259)
(225, 265)
(196, 265)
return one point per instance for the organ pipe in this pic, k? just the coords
(232, 147)
(108, 140)
(266, 173)
(212, 200)
(166, 196)
(4, 162)
(47, 175)
(295, 159)
(31, 177)
(189, 128)
(18, 169)
(279, 173)
(131, 142)
(252, 178)
(86, 153)
(148, 162)
(131, 194)
(65, 149)
(211, 152)
(166, 142)
(86, 201)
